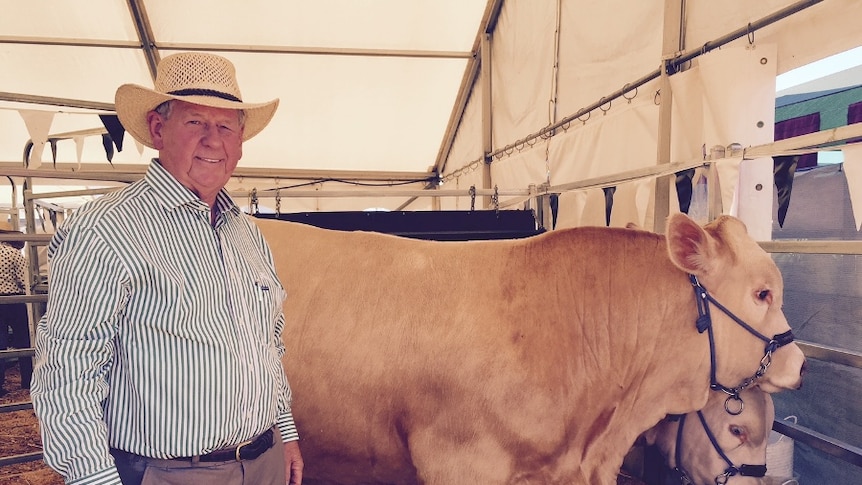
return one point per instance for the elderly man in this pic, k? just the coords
(159, 357)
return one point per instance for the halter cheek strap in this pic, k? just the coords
(731, 470)
(704, 324)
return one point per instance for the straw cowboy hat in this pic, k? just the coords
(194, 77)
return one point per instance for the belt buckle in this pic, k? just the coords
(239, 448)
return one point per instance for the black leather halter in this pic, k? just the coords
(730, 471)
(704, 323)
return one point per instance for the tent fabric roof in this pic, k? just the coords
(363, 85)
(395, 91)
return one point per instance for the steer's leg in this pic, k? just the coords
(440, 460)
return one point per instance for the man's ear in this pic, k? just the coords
(155, 123)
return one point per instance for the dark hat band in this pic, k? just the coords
(205, 92)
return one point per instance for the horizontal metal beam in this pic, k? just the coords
(797, 144)
(317, 51)
(38, 298)
(26, 457)
(834, 355)
(132, 172)
(748, 29)
(29, 195)
(50, 101)
(14, 354)
(380, 192)
(812, 247)
(47, 173)
(627, 176)
(33, 238)
(819, 441)
(324, 175)
(11, 408)
(810, 140)
(261, 49)
(65, 41)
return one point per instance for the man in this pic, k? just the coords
(13, 316)
(159, 357)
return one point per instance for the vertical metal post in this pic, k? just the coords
(671, 44)
(487, 116)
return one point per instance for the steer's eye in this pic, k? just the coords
(738, 431)
(765, 296)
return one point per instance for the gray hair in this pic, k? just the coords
(164, 110)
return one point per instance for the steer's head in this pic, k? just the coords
(742, 438)
(742, 277)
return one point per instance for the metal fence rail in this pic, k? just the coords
(819, 441)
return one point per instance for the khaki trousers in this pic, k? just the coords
(267, 469)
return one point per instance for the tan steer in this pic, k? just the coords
(738, 454)
(535, 360)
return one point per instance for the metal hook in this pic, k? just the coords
(278, 202)
(495, 199)
(253, 201)
(601, 103)
(750, 35)
(629, 100)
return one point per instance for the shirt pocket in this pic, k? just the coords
(267, 301)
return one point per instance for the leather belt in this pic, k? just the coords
(247, 450)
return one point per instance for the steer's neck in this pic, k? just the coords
(658, 365)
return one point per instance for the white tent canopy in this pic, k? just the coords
(388, 91)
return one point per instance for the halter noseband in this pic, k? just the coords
(730, 471)
(704, 323)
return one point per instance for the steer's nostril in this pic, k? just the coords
(804, 366)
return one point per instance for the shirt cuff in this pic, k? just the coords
(287, 427)
(109, 476)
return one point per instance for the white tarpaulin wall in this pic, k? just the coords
(373, 86)
(724, 96)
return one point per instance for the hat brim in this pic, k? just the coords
(132, 103)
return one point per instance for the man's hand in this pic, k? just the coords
(293, 463)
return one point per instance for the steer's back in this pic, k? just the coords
(397, 345)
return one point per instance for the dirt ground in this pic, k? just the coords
(19, 434)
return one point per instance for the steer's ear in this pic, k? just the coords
(690, 247)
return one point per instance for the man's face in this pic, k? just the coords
(200, 146)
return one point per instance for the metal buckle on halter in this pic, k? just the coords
(724, 477)
(682, 476)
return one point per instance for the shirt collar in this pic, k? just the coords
(172, 194)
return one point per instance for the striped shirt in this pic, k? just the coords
(162, 335)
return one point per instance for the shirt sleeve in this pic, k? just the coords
(287, 427)
(73, 355)
(284, 420)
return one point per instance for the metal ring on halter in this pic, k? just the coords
(733, 410)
